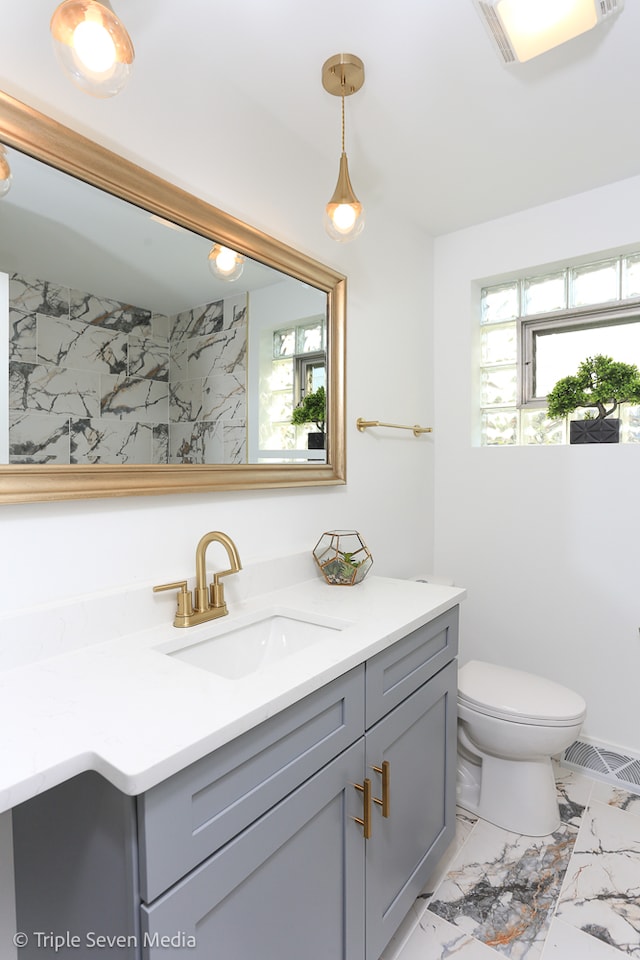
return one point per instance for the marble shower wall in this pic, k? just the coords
(89, 379)
(208, 383)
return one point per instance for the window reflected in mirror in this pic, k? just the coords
(293, 364)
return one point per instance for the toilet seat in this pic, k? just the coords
(516, 696)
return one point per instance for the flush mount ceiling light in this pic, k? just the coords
(524, 29)
(343, 75)
(92, 46)
(5, 172)
(224, 263)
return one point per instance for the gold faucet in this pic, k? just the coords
(206, 603)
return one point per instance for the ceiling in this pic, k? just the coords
(442, 130)
(60, 228)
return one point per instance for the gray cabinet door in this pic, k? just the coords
(400, 669)
(418, 740)
(289, 886)
(186, 818)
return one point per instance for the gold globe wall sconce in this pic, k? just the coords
(342, 76)
(92, 46)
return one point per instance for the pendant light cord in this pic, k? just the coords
(343, 122)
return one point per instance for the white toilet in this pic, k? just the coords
(510, 724)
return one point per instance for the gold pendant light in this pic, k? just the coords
(343, 75)
(92, 46)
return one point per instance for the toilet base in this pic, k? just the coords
(517, 795)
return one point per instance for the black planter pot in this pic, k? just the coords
(594, 431)
(315, 441)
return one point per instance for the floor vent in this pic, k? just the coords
(604, 763)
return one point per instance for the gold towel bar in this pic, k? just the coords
(417, 429)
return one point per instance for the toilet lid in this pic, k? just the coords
(502, 691)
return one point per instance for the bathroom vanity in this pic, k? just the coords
(309, 833)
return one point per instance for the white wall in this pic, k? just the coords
(544, 538)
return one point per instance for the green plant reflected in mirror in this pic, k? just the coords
(312, 409)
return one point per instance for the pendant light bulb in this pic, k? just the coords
(344, 214)
(343, 75)
(92, 46)
(225, 264)
(5, 173)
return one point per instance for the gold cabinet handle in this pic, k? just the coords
(365, 820)
(384, 770)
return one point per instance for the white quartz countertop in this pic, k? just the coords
(135, 715)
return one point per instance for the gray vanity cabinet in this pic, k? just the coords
(257, 850)
(289, 886)
(303, 874)
(418, 742)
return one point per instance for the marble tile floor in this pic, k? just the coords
(574, 895)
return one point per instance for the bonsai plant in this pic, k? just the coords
(601, 383)
(312, 409)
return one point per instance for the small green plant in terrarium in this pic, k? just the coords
(343, 557)
(342, 568)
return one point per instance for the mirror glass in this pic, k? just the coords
(125, 348)
(124, 354)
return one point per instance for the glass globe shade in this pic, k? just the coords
(224, 263)
(344, 221)
(92, 46)
(5, 173)
(344, 214)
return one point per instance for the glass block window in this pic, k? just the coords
(537, 428)
(498, 386)
(284, 343)
(499, 427)
(538, 328)
(631, 276)
(282, 375)
(500, 303)
(544, 294)
(594, 283)
(498, 343)
(310, 338)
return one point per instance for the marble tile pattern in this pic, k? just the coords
(574, 895)
(93, 380)
(208, 384)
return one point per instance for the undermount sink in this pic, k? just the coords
(254, 647)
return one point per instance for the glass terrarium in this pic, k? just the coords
(343, 557)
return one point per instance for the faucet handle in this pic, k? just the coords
(185, 603)
(216, 592)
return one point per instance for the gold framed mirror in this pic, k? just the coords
(41, 141)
